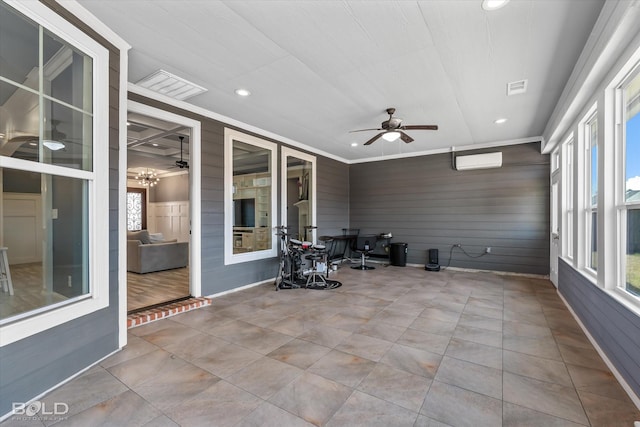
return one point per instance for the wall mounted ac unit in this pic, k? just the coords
(479, 161)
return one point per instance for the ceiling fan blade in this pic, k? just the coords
(362, 130)
(406, 138)
(420, 127)
(372, 140)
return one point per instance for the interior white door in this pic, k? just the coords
(554, 246)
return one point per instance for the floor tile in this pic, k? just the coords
(222, 402)
(482, 322)
(424, 341)
(478, 335)
(439, 313)
(519, 416)
(135, 347)
(469, 376)
(91, 388)
(143, 368)
(587, 357)
(346, 321)
(541, 347)
(519, 329)
(476, 353)
(225, 361)
(433, 326)
(325, 336)
(161, 421)
(412, 360)
(264, 377)
(552, 399)
(312, 398)
(368, 411)
(299, 353)
(459, 407)
(126, 408)
(382, 330)
(268, 415)
(365, 346)
(396, 386)
(536, 367)
(597, 381)
(603, 411)
(342, 367)
(423, 421)
(393, 317)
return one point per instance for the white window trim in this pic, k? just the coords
(568, 206)
(286, 152)
(98, 182)
(229, 136)
(585, 213)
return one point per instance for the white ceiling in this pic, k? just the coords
(318, 69)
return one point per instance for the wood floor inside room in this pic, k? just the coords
(148, 289)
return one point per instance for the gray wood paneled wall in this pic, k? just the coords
(612, 326)
(332, 199)
(35, 364)
(427, 204)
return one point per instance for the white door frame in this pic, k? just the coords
(195, 271)
(555, 208)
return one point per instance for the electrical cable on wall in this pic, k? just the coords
(464, 252)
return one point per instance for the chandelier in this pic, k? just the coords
(148, 178)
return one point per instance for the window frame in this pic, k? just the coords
(621, 205)
(568, 190)
(33, 322)
(588, 207)
(231, 135)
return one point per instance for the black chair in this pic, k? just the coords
(364, 244)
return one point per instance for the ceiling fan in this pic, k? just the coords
(182, 164)
(393, 129)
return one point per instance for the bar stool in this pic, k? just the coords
(316, 278)
(5, 274)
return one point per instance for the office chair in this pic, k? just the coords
(364, 244)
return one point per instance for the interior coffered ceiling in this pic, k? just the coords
(319, 69)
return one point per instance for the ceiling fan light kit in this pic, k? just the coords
(53, 145)
(391, 136)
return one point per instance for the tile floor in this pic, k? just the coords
(392, 347)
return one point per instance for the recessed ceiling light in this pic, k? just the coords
(500, 121)
(154, 144)
(354, 144)
(493, 4)
(33, 144)
(242, 92)
(128, 124)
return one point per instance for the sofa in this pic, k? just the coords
(147, 253)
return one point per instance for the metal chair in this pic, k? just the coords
(364, 244)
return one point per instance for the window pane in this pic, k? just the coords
(251, 198)
(633, 251)
(632, 141)
(67, 137)
(18, 50)
(134, 211)
(45, 236)
(67, 73)
(593, 259)
(593, 138)
(19, 123)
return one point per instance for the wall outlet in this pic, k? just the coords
(487, 250)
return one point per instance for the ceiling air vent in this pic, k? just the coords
(170, 85)
(516, 88)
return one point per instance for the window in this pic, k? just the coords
(568, 198)
(136, 209)
(591, 181)
(250, 197)
(53, 126)
(630, 206)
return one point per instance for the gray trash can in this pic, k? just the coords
(398, 254)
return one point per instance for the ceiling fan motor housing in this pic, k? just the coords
(392, 123)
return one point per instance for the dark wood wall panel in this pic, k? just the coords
(333, 196)
(612, 326)
(427, 204)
